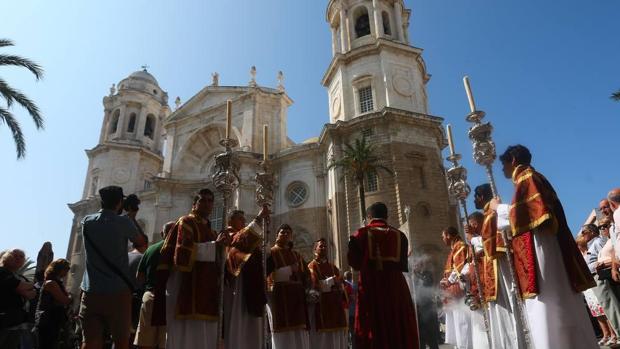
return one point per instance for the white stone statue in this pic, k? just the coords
(253, 76)
(177, 102)
(112, 90)
(215, 79)
(280, 81)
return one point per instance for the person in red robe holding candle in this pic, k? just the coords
(384, 315)
(186, 298)
(288, 280)
(244, 294)
(328, 316)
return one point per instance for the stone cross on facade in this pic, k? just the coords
(144, 67)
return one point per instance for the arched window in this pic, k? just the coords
(149, 127)
(385, 17)
(114, 123)
(131, 126)
(362, 22)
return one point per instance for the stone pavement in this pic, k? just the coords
(447, 346)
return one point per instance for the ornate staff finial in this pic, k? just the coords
(457, 174)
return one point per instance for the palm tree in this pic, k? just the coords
(615, 96)
(12, 95)
(358, 161)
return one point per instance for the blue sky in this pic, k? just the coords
(542, 70)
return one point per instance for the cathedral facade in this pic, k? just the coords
(376, 88)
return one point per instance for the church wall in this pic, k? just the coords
(295, 171)
(309, 225)
(404, 88)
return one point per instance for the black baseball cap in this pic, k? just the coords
(111, 194)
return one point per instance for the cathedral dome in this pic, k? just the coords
(143, 75)
(145, 82)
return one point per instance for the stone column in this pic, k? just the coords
(105, 125)
(398, 17)
(140, 123)
(376, 13)
(157, 133)
(170, 133)
(120, 127)
(335, 48)
(344, 31)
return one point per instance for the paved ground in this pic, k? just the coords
(446, 346)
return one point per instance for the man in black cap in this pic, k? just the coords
(107, 286)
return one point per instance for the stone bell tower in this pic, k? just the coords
(130, 145)
(376, 86)
(371, 53)
(129, 153)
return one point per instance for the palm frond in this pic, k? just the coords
(12, 95)
(359, 158)
(615, 96)
(28, 269)
(27, 266)
(6, 42)
(18, 136)
(22, 62)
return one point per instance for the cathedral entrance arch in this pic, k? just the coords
(195, 159)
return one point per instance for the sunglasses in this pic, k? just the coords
(603, 227)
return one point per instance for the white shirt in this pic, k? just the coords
(614, 232)
(503, 216)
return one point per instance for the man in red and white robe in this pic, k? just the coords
(328, 316)
(385, 316)
(551, 273)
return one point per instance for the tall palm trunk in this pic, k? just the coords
(362, 195)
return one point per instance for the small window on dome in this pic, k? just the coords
(154, 92)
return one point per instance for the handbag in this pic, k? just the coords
(604, 274)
